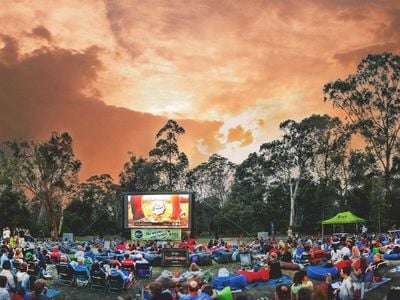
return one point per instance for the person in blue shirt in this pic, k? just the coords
(4, 256)
(90, 253)
(194, 293)
(81, 267)
(115, 271)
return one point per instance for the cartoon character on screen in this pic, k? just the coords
(158, 210)
(137, 208)
(176, 207)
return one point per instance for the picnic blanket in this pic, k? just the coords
(51, 293)
(272, 282)
(395, 270)
(374, 285)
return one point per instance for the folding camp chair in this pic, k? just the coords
(144, 270)
(34, 269)
(245, 260)
(99, 281)
(81, 278)
(115, 284)
(65, 274)
(128, 268)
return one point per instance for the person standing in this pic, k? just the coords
(290, 233)
(346, 288)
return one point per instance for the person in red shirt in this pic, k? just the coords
(127, 261)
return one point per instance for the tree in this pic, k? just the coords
(211, 183)
(328, 162)
(371, 100)
(47, 170)
(171, 163)
(139, 175)
(97, 203)
(212, 179)
(289, 158)
(246, 207)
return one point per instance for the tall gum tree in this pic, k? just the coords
(48, 171)
(171, 163)
(371, 100)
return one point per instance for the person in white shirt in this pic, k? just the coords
(4, 295)
(345, 251)
(6, 234)
(79, 252)
(346, 288)
(11, 285)
(364, 229)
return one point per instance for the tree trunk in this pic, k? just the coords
(52, 215)
(293, 194)
(61, 221)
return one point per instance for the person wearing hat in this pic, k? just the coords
(28, 257)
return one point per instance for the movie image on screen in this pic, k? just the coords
(158, 211)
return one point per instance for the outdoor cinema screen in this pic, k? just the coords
(157, 210)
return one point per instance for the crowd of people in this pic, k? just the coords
(359, 259)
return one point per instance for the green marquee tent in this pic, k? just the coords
(346, 217)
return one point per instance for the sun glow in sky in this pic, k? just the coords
(112, 72)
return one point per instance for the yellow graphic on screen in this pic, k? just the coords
(158, 211)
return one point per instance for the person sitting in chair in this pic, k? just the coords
(127, 261)
(140, 259)
(378, 266)
(115, 271)
(98, 271)
(80, 267)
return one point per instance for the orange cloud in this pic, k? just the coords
(240, 135)
(45, 91)
(215, 65)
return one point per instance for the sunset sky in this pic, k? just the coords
(111, 73)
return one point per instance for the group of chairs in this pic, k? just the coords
(100, 281)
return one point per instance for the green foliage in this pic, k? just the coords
(96, 202)
(14, 209)
(139, 175)
(371, 100)
(47, 170)
(171, 163)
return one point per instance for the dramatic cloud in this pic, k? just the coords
(48, 90)
(230, 71)
(41, 32)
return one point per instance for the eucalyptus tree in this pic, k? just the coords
(211, 184)
(139, 174)
(329, 159)
(171, 163)
(246, 207)
(290, 158)
(212, 179)
(371, 100)
(97, 204)
(47, 171)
